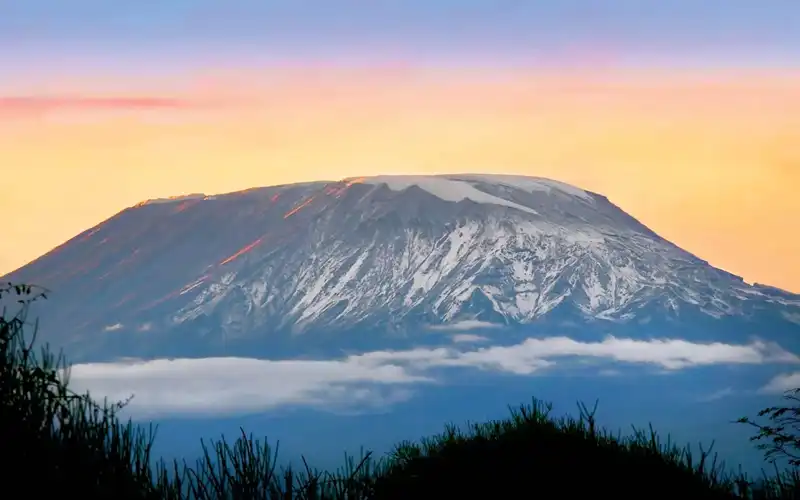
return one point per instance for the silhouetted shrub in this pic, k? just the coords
(56, 442)
(66, 441)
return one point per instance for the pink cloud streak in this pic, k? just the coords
(26, 104)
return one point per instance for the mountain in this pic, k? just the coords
(383, 261)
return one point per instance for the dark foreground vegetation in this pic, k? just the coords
(56, 442)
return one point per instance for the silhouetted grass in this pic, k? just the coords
(67, 442)
(56, 442)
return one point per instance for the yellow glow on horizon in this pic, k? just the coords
(712, 163)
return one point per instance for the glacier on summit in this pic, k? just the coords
(384, 256)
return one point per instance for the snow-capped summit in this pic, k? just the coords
(384, 254)
(460, 187)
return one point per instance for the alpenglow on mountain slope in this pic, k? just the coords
(378, 260)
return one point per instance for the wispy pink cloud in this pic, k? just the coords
(91, 102)
(25, 104)
(88, 107)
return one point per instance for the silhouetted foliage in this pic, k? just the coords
(66, 443)
(47, 431)
(780, 439)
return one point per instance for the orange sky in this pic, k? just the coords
(709, 161)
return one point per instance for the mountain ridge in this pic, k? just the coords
(381, 254)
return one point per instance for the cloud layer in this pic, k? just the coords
(87, 109)
(782, 383)
(463, 326)
(240, 385)
(39, 103)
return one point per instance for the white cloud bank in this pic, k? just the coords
(237, 385)
(468, 338)
(378, 378)
(717, 395)
(465, 325)
(782, 383)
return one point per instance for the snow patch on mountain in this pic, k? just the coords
(529, 184)
(522, 270)
(793, 317)
(445, 188)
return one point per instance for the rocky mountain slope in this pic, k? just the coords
(384, 256)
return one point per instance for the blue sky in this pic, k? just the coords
(728, 33)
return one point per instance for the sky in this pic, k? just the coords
(686, 114)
